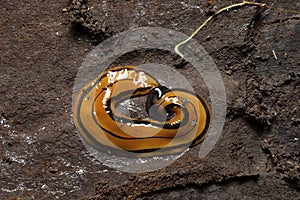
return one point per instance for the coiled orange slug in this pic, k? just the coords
(177, 119)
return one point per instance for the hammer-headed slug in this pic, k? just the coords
(177, 118)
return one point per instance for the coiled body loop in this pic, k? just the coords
(177, 118)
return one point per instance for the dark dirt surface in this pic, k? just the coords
(44, 43)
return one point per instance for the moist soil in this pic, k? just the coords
(255, 49)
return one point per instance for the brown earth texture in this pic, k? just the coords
(256, 50)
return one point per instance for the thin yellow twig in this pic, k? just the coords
(212, 16)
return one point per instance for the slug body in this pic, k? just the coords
(177, 119)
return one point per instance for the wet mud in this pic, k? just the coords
(256, 50)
